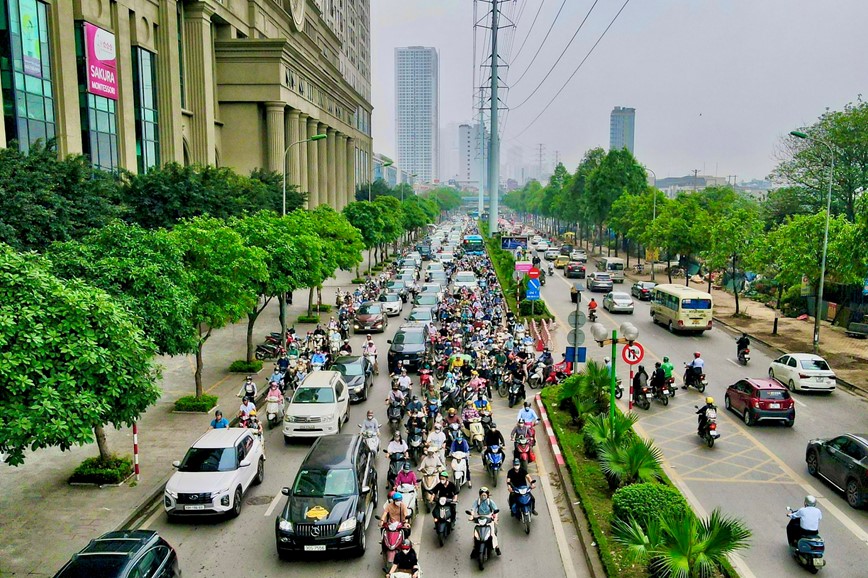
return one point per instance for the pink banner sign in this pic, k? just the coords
(101, 62)
(523, 266)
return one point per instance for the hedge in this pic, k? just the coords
(307, 319)
(322, 308)
(243, 366)
(646, 501)
(202, 404)
(96, 471)
(359, 281)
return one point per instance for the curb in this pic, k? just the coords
(576, 514)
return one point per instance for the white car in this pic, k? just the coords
(803, 371)
(446, 257)
(577, 255)
(215, 473)
(391, 303)
(542, 245)
(618, 302)
(465, 279)
(432, 289)
(535, 240)
(319, 406)
(551, 254)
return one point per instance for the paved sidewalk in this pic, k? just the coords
(44, 520)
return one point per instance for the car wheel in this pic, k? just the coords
(748, 420)
(260, 472)
(363, 542)
(854, 493)
(236, 504)
(671, 328)
(792, 386)
(727, 402)
(771, 373)
(813, 464)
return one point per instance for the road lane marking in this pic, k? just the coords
(273, 504)
(798, 402)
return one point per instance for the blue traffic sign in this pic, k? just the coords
(533, 286)
(577, 354)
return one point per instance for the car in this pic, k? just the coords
(542, 245)
(407, 263)
(641, 290)
(575, 292)
(601, 282)
(566, 250)
(446, 257)
(409, 281)
(214, 474)
(843, 462)
(421, 314)
(358, 374)
(574, 270)
(561, 261)
(760, 399)
(437, 277)
(391, 303)
(434, 266)
(617, 302)
(578, 255)
(425, 252)
(319, 406)
(551, 254)
(425, 300)
(803, 371)
(331, 501)
(409, 346)
(465, 279)
(435, 289)
(398, 286)
(370, 317)
(124, 554)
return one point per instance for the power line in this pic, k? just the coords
(542, 43)
(558, 93)
(575, 34)
(530, 29)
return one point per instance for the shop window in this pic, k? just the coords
(145, 86)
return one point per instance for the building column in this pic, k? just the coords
(303, 185)
(341, 168)
(351, 167)
(332, 176)
(274, 135)
(312, 165)
(322, 170)
(168, 93)
(293, 163)
(199, 74)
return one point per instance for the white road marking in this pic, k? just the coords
(152, 518)
(798, 402)
(735, 363)
(273, 504)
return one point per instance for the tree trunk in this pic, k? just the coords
(310, 302)
(628, 252)
(251, 321)
(318, 298)
(734, 288)
(617, 236)
(687, 271)
(668, 268)
(199, 363)
(101, 443)
(281, 315)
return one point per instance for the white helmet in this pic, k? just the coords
(810, 501)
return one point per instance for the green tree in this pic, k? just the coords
(143, 270)
(786, 202)
(369, 192)
(342, 246)
(272, 192)
(73, 360)
(413, 217)
(618, 173)
(225, 275)
(682, 227)
(734, 237)
(393, 226)
(366, 217)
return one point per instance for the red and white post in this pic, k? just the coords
(630, 401)
(136, 448)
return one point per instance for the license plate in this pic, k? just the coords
(196, 507)
(820, 378)
(774, 406)
(307, 427)
(315, 548)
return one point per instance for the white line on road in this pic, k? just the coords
(798, 402)
(273, 504)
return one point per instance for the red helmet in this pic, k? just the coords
(406, 546)
(696, 354)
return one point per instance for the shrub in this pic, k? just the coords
(358, 281)
(792, 302)
(242, 366)
(322, 308)
(646, 501)
(97, 471)
(202, 404)
(533, 308)
(308, 319)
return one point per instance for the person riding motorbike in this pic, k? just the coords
(482, 403)
(318, 358)
(371, 423)
(414, 405)
(397, 445)
(247, 407)
(521, 429)
(406, 476)
(592, 309)
(369, 349)
(404, 381)
(469, 413)
(276, 377)
(516, 478)
(446, 488)
(493, 437)
(437, 439)
(395, 510)
(396, 395)
(248, 388)
(694, 370)
(804, 521)
(658, 378)
(741, 344)
(406, 561)
(452, 417)
(527, 414)
(346, 348)
(702, 412)
(667, 367)
(283, 363)
(640, 380)
(485, 506)
(432, 461)
(459, 444)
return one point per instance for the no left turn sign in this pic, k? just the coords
(633, 354)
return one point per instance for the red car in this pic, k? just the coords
(761, 399)
(574, 270)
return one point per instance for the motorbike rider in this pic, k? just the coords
(516, 478)
(406, 476)
(248, 388)
(219, 422)
(592, 308)
(658, 378)
(640, 380)
(396, 395)
(741, 344)
(493, 437)
(318, 358)
(283, 363)
(437, 440)
(694, 370)
(467, 414)
(414, 405)
(521, 429)
(346, 348)
(370, 349)
(459, 444)
(452, 417)
(527, 414)
(667, 367)
(274, 394)
(404, 381)
(406, 561)
(702, 412)
(482, 403)
(608, 364)
(397, 445)
(416, 422)
(276, 377)
(247, 408)
(395, 510)
(371, 423)
(485, 506)
(804, 521)
(431, 462)
(446, 488)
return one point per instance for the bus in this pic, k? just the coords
(473, 245)
(682, 308)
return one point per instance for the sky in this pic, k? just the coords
(716, 84)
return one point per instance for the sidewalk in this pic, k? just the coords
(44, 520)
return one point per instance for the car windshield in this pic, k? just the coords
(395, 284)
(408, 338)
(321, 483)
(348, 369)
(314, 395)
(696, 303)
(95, 566)
(370, 310)
(426, 300)
(647, 285)
(209, 460)
(389, 297)
(773, 394)
(420, 315)
(465, 278)
(615, 267)
(814, 364)
(430, 288)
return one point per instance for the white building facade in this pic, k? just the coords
(417, 114)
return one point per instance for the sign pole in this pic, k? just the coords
(574, 364)
(630, 401)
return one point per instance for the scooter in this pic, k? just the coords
(537, 378)
(408, 491)
(661, 393)
(521, 506)
(516, 392)
(371, 439)
(493, 460)
(430, 479)
(414, 444)
(551, 269)
(477, 434)
(640, 397)
(483, 533)
(459, 469)
(523, 451)
(808, 551)
(692, 379)
(709, 432)
(396, 464)
(273, 410)
(394, 413)
(393, 537)
(592, 315)
(744, 355)
(424, 378)
(444, 520)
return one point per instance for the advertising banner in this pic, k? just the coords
(101, 62)
(30, 48)
(523, 266)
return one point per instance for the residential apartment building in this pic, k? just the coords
(417, 115)
(622, 128)
(134, 84)
(472, 157)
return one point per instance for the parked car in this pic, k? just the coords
(601, 282)
(370, 317)
(358, 374)
(550, 254)
(843, 462)
(409, 346)
(319, 406)
(617, 302)
(803, 371)
(578, 255)
(574, 270)
(641, 290)
(124, 554)
(214, 474)
(331, 501)
(561, 261)
(760, 399)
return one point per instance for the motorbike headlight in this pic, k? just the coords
(284, 525)
(347, 525)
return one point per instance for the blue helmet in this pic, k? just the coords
(397, 497)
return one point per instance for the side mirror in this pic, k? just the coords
(366, 489)
(388, 341)
(285, 491)
(245, 463)
(176, 464)
(386, 452)
(468, 512)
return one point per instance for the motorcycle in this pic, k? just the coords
(482, 538)
(394, 413)
(414, 444)
(537, 378)
(523, 451)
(477, 434)
(393, 537)
(408, 491)
(551, 269)
(430, 479)
(371, 439)
(372, 361)
(432, 409)
(396, 464)
(521, 506)
(808, 551)
(709, 432)
(267, 351)
(744, 355)
(493, 460)
(640, 397)
(516, 392)
(694, 379)
(459, 469)
(424, 378)
(592, 315)
(444, 520)
(661, 393)
(273, 410)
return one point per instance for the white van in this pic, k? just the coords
(614, 266)
(319, 406)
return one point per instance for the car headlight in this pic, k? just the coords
(347, 525)
(224, 501)
(173, 495)
(329, 418)
(167, 501)
(284, 525)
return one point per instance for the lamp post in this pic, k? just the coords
(385, 164)
(802, 135)
(630, 334)
(286, 152)
(654, 213)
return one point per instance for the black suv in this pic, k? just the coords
(409, 345)
(124, 554)
(332, 500)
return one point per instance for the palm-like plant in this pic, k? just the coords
(588, 390)
(636, 460)
(598, 428)
(685, 546)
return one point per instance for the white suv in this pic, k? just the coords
(215, 473)
(319, 406)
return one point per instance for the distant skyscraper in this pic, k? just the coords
(469, 162)
(417, 115)
(622, 128)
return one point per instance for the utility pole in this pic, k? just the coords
(494, 139)
(481, 152)
(557, 158)
(695, 179)
(540, 157)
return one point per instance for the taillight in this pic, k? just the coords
(708, 326)
(712, 426)
(803, 376)
(746, 351)
(680, 323)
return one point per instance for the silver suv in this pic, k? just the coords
(601, 282)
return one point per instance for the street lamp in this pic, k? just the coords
(802, 135)
(286, 152)
(630, 334)
(385, 164)
(654, 214)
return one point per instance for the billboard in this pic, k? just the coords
(101, 61)
(513, 242)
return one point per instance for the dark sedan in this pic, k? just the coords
(843, 462)
(574, 270)
(370, 317)
(124, 554)
(641, 290)
(358, 375)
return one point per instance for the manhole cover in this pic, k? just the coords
(258, 500)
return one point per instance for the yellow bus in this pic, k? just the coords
(682, 308)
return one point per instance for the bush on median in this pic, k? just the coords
(243, 366)
(202, 404)
(643, 502)
(97, 471)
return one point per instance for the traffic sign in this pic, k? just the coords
(577, 319)
(633, 354)
(576, 337)
(533, 286)
(577, 354)
(533, 273)
(517, 276)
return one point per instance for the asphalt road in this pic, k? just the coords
(246, 546)
(752, 472)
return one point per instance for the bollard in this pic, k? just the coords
(775, 328)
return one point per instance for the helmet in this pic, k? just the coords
(810, 501)
(451, 411)
(641, 368)
(474, 372)
(483, 490)
(665, 359)
(526, 404)
(415, 398)
(697, 354)
(249, 378)
(406, 545)
(520, 422)
(516, 462)
(458, 434)
(397, 497)
(492, 425)
(406, 466)
(469, 403)
(657, 364)
(709, 400)
(444, 474)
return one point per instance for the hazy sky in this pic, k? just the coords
(715, 83)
